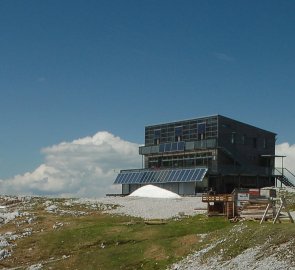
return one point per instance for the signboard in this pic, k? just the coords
(242, 198)
(254, 191)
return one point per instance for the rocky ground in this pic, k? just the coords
(251, 258)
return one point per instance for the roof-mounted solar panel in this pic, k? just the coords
(161, 176)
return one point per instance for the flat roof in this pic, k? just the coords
(184, 120)
(206, 117)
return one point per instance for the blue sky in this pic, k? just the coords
(69, 69)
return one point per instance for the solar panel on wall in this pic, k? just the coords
(174, 146)
(181, 146)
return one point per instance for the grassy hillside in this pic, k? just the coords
(83, 237)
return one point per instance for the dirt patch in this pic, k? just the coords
(148, 234)
(155, 252)
(115, 230)
(185, 244)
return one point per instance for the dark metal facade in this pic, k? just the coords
(231, 150)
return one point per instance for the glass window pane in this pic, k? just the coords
(157, 133)
(155, 149)
(174, 146)
(189, 145)
(167, 147)
(178, 131)
(201, 128)
(181, 146)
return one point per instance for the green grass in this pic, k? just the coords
(127, 243)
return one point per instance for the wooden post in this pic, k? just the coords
(283, 204)
(265, 212)
(287, 209)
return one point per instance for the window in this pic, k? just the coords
(174, 146)
(178, 133)
(264, 143)
(167, 147)
(255, 142)
(201, 131)
(162, 148)
(157, 135)
(244, 139)
(233, 138)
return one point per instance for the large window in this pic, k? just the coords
(244, 139)
(264, 143)
(178, 134)
(157, 135)
(233, 138)
(201, 131)
(255, 142)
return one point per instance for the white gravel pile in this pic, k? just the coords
(150, 191)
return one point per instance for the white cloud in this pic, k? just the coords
(289, 151)
(86, 167)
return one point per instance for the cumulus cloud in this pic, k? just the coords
(287, 150)
(86, 167)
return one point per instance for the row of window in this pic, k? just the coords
(243, 139)
(177, 146)
(183, 131)
(178, 131)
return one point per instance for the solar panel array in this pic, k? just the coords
(172, 147)
(161, 176)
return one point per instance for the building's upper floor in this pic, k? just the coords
(214, 131)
